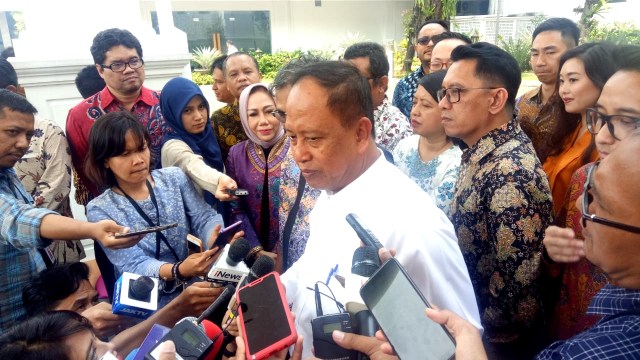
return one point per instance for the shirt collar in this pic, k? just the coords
(611, 300)
(146, 96)
(534, 95)
(492, 140)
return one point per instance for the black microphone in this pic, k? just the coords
(238, 251)
(229, 268)
(365, 261)
(261, 267)
(364, 233)
(224, 298)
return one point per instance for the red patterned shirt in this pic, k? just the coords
(81, 118)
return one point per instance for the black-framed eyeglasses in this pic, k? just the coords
(623, 123)
(118, 66)
(587, 198)
(424, 40)
(453, 94)
(280, 115)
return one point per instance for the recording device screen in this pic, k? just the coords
(399, 307)
(263, 313)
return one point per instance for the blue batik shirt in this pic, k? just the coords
(19, 239)
(615, 336)
(406, 90)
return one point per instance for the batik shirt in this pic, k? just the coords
(20, 261)
(406, 90)
(45, 172)
(616, 336)
(536, 118)
(228, 128)
(81, 118)
(437, 177)
(500, 210)
(391, 125)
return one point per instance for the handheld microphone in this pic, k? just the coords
(135, 295)
(229, 268)
(365, 261)
(224, 298)
(363, 232)
(193, 341)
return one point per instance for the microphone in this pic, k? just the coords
(229, 268)
(363, 232)
(365, 261)
(224, 298)
(193, 340)
(135, 295)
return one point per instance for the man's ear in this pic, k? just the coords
(12, 88)
(100, 70)
(363, 131)
(383, 83)
(498, 100)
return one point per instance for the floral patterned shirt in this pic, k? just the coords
(45, 172)
(501, 207)
(406, 90)
(436, 177)
(536, 118)
(228, 128)
(391, 125)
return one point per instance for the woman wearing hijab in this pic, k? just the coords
(192, 146)
(255, 164)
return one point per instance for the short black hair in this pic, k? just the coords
(494, 65)
(349, 93)
(627, 57)
(218, 63)
(109, 38)
(567, 28)
(107, 139)
(8, 75)
(88, 81)
(378, 62)
(444, 24)
(15, 102)
(52, 285)
(451, 35)
(284, 75)
(43, 336)
(7, 53)
(236, 54)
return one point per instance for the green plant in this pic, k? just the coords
(205, 56)
(201, 79)
(618, 33)
(520, 49)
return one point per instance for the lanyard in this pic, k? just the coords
(159, 235)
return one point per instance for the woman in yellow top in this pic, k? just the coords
(583, 72)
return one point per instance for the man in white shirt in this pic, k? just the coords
(329, 119)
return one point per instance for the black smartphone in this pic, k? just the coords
(398, 307)
(264, 317)
(146, 230)
(225, 235)
(237, 192)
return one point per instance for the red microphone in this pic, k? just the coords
(214, 333)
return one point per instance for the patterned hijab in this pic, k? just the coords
(174, 97)
(244, 118)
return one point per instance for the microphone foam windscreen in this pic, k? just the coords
(263, 265)
(214, 333)
(238, 251)
(140, 288)
(365, 261)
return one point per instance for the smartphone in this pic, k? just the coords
(225, 235)
(237, 192)
(398, 307)
(194, 244)
(146, 230)
(264, 317)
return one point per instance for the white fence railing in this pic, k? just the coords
(484, 26)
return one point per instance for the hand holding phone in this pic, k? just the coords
(145, 231)
(225, 235)
(264, 317)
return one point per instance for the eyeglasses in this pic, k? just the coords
(424, 40)
(587, 198)
(623, 123)
(280, 115)
(453, 94)
(134, 63)
(435, 66)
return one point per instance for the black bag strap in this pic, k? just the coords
(159, 235)
(288, 225)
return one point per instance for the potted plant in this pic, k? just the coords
(204, 57)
